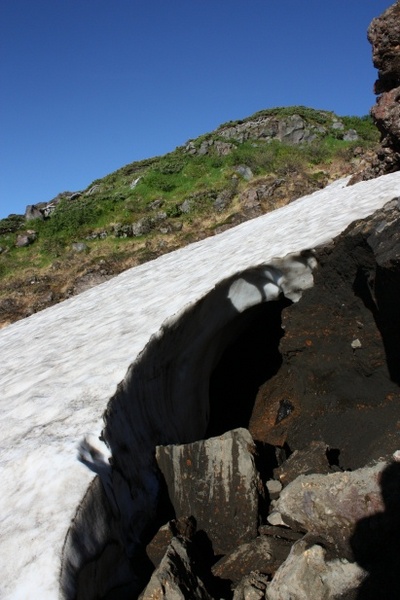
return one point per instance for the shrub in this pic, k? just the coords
(70, 218)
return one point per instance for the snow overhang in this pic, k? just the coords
(60, 368)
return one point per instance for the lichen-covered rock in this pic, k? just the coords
(306, 575)
(215, 480)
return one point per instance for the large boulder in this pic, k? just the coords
(307, 574)
(216, 481)
(331, 505)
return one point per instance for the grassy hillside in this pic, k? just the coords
(147, 208)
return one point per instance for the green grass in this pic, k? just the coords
(173, 178)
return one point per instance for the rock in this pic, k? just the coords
(274, 488)
(223, 199)
(384, 36)
(25, 239)
(204, 146)
(223, 148)
(49, 208)
(33, 212)
(156, 204)
(330, 505)
(186, 205)
(93, 189)
(351, 135)
(156, 549)
(302, 462)
(293, 129)
(280, 532)
(134, 183)
(251, 203)
(252, 587)
(141, 227)
(306, 574)
(120, 230)
(355, 344)
(176, 578)
(215, 480)
(264, 554)
(244, 172)
(338, 125)
(79, 246)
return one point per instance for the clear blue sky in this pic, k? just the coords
(90, 85)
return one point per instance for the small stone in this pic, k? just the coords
(356, 344)
(79, 247)
(275, 518)
(134, 183)
(396, 456)
(274, 488)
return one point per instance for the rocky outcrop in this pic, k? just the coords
(384, 35)
(347, 542)
(272, 125)
(43, 210)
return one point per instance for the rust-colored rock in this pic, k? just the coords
(264, 554)
(384, 35)
(304, 462)
(338, 382)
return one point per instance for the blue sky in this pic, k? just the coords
(90, 85)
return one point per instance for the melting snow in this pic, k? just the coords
(60, 367)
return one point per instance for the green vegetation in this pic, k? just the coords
(180, 189)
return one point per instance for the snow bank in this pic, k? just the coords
(59, 369)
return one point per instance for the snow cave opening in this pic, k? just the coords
(250, 359)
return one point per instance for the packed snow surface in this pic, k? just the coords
(59, 367)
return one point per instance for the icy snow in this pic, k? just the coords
(60, 367)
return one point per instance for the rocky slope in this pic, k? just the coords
(238, 172)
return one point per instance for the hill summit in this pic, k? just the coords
(240, 171)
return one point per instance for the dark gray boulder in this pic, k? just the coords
(215, 481)
(176, 577)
